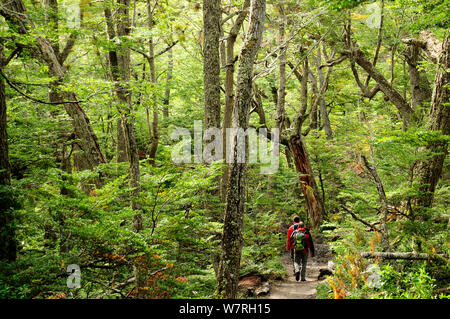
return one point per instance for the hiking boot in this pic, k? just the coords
(297, 275)
(303, 279)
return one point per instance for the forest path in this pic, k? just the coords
(289, 288)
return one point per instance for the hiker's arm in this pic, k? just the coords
(288, 241)
(311, 246)
(310, 243)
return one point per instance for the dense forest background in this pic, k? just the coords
(92, 91)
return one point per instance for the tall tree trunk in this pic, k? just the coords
(211, 62)
(155, 121)
(228, 274)
(229, 89)
(280, 119)
(212, 13)
(123, 29)
(120, 71)
(429, 171)
(8, 245)
(116, 63)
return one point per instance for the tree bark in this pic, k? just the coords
(168, 85)
(211, 62)
(313, 200)
(120, 71)
(8, 245)
(429, 171)
(315, 99)
(155, 121)
(303, 78)
(232, 240)
(229, 89)
(281, 94)
(116, 62)
(420, 89)
(323, 81)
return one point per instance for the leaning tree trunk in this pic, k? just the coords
(313, 200)
(14, 11)
(232, 240)
(385, 86)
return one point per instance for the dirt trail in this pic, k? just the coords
(289, 288)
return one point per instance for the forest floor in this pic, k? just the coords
(289, 288)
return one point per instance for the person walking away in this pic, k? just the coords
(299, 242)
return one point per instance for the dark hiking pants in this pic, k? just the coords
(300, 259)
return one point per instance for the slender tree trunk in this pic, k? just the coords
(315, 98)
(115, 61)
(281, 95)
(323, 80)
(228, 274)
(229, 89)
(155, 121)
(140, 267)
(123, 29)
(211, 62)
(301, 116)
(120, 71)
(211, 75)
(8, 245)
(121, 147)
(383, 201)
(166, 101)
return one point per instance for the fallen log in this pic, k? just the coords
(401, 255)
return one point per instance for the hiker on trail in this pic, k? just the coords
(298, 242)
